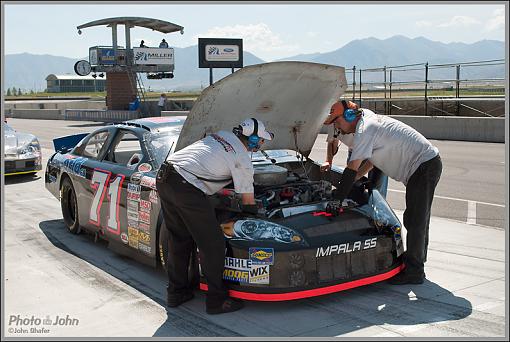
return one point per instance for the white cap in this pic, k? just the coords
(248, 127)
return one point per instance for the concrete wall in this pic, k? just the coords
(48, 104)
(455, 128)
(44, 114)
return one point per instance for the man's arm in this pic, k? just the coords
(331, 151)
(248, 198)
(348, 178)
(364, 169)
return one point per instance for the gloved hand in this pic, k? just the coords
(345, 185)
(252, 209)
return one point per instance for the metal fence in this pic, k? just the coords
(100, 115)
(431, 84)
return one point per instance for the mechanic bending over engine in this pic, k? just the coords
(183, 181)
(405, 155)
(377, 179)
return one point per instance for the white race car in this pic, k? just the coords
(22, 152)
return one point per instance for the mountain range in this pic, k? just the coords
(28, 71)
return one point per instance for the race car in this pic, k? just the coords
(301, 243)
(22, 152)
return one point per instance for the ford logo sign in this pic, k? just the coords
(228, 50)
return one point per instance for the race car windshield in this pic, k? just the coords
(160, 144)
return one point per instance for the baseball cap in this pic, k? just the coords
(337, 110)
(248, 127)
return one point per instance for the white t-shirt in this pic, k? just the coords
(161, 101)
(392, 146)
(219, 156)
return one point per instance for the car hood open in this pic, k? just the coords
(291, 98)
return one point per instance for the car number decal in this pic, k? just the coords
(100, 182)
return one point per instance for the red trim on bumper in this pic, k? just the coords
(270, 297)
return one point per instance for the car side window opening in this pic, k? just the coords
(93, 147)
(126, 150)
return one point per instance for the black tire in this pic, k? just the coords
(69, 205)
(193, 268)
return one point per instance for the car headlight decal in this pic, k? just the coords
(264, 230)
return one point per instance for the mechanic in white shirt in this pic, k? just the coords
(161, 103)
(378, 179)
(405, 155)
(183, 181)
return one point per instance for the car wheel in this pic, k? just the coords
(69, 205)
(193, 267)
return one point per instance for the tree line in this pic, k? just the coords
(16, 92)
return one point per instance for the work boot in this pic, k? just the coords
(228, 305)
(176, 299)
(407, 278)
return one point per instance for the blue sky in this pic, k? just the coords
(270, 31)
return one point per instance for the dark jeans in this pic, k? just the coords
(419, 195)
(190, 218)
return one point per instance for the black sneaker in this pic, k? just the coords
(228, 305)
(174, 300)
(407, 278)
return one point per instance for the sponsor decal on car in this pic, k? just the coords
(133, 216)
(134, 188)
(236, 275)
(149, 182)
(261, 256)
(259, 274)
(135, 177)
(133, 223)
(132, 205)
(144, 248)
(144, 237)
(346, 247)
(237, 264)
(153, 197)
(133, 196)
(145, 167)
(133, 237)
(124, 238)
(144, 217)
(52, 178)
(144, 227)
(145, 205)
(71, 164)
(243, 270)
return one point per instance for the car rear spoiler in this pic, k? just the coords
(66, 144)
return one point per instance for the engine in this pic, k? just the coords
(276, 187)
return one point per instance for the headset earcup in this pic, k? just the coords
(349, 115)
(253, 141)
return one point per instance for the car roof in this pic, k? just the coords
(155, 123)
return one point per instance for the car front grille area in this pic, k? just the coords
(356, 264)
(12, 166)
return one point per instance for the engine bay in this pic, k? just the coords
(282, 190)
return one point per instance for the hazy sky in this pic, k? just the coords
(270, 31)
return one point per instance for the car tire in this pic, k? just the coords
(193, 268)
(69, 205)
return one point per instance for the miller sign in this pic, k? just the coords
(155, 56)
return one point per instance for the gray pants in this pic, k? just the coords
(419, 195)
